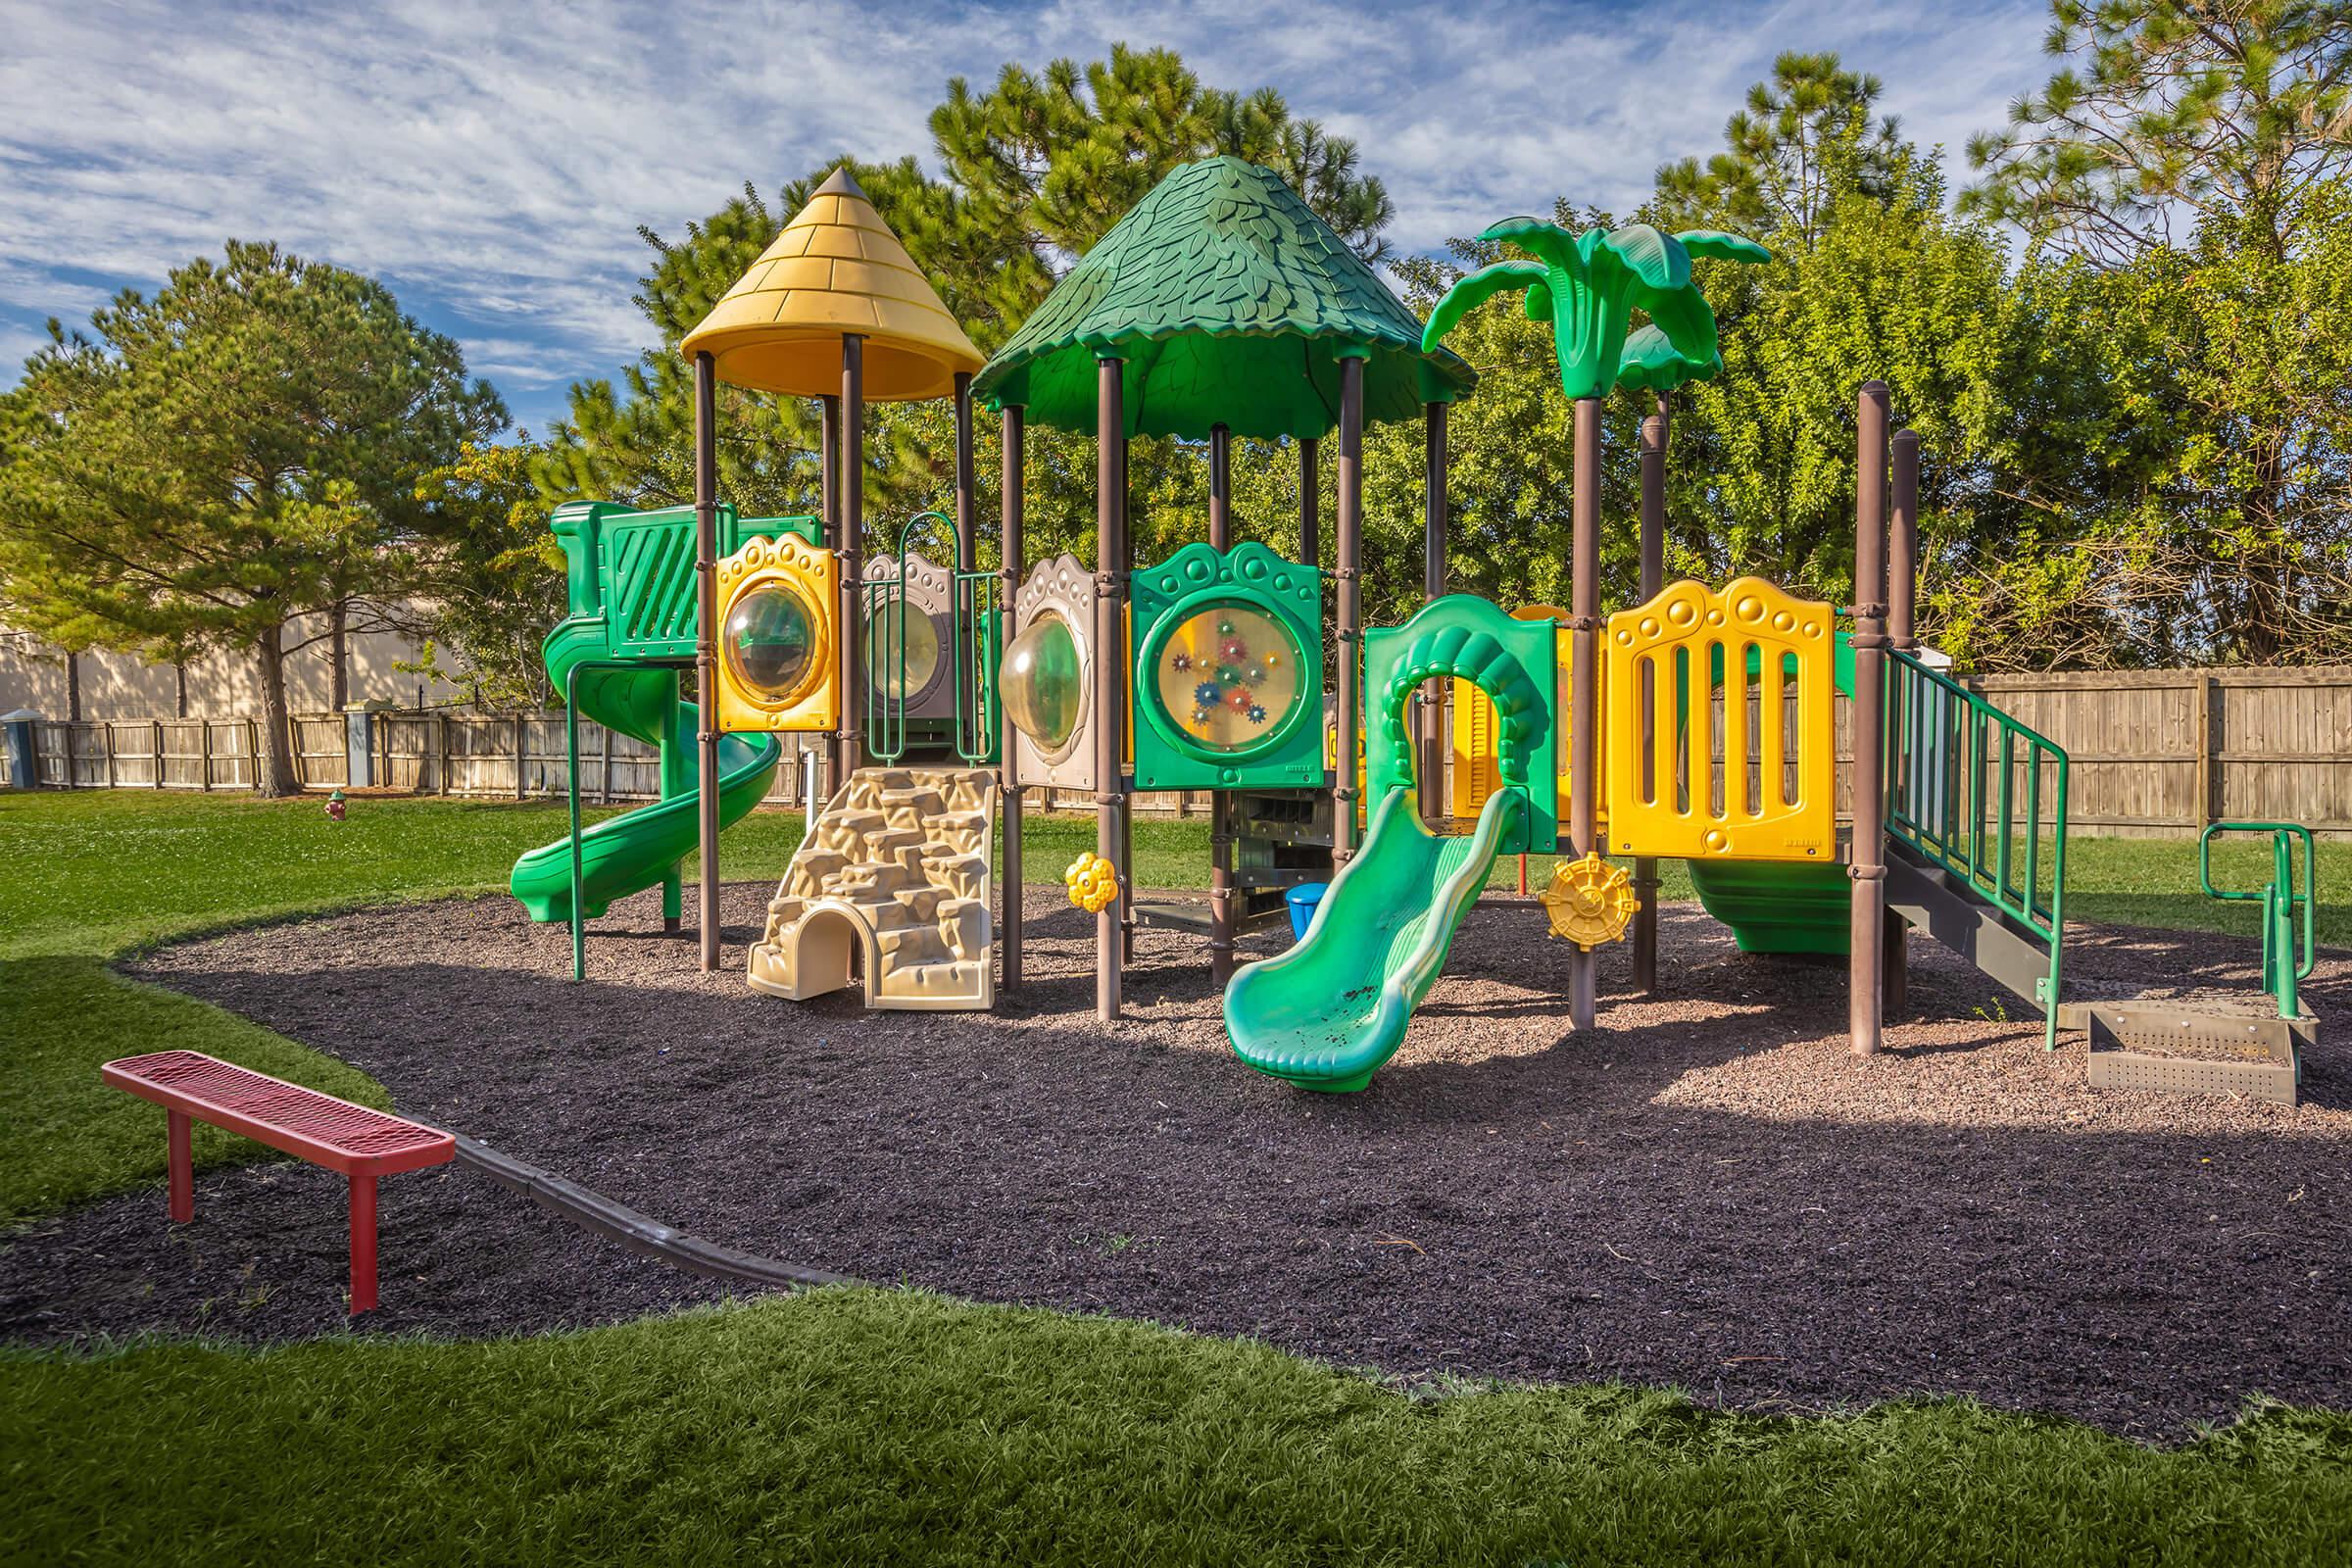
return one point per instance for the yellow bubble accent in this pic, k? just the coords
(811, 577)
(1589, 902)
(1092, 881)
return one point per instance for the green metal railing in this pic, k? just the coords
(1958, 772)
(972, 653)
(2281, 970)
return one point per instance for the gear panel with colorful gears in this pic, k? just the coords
(1228, 676)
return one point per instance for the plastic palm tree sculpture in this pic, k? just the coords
(1589, 284)
(1588, 287)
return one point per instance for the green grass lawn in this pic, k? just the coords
(890, 1426)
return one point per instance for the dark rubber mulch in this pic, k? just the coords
(1708, 1191)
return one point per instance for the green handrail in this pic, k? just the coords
(1941, 740)
(974, 675)
(2281, 972)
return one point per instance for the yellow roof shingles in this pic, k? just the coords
(836, 269)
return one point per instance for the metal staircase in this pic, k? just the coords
(1976, 828)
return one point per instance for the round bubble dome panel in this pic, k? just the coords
(770, 642)
(911, 675)
(1042, 683)
(1228, 677)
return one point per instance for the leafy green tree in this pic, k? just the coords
(2205, 116)
(2199, 154)
(490, 578)
(235, 453)
(1806, 137)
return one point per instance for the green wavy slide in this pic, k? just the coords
(624, 853)
(1327, 1013)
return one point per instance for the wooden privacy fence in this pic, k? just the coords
(169, 754)
(2154, 752)
(417, 751)
(2158, 752)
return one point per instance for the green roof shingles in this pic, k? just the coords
(1231, 304)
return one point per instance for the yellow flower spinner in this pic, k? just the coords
(1590, 901)
(1092, 881)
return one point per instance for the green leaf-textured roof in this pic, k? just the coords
(1231, 304)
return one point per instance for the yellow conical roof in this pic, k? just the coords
(836, 269)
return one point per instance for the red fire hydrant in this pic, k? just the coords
(334, 807)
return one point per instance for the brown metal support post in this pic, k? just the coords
(1902, 594)
(1110, 554)
(1220, 816)
(706, 645)
(1310, 504)
(1654, 583)
(1126, 646)
(1865, 995)
(1432, 738)
(850, 478)
(828, 503)
(1584, 692)
(1348, 572)
(1009, 786)
(961, 592)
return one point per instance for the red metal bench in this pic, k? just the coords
(361, 1143)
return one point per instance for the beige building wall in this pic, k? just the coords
(119, 686)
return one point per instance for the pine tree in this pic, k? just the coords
(235, 453)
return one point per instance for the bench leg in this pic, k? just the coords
(363, 1243)
(183, 1166)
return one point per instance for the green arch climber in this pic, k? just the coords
(1463, 637)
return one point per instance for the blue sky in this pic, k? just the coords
(492, 161)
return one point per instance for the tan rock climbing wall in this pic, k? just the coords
(892, 879)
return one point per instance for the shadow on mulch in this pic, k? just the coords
(1708, 1191)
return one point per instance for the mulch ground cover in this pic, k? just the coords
(1708, 1191)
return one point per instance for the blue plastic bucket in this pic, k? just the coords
(1302, 900)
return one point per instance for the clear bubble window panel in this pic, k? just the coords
(910, 675)
(1229, 676)
(770, 642)
(1043, 684)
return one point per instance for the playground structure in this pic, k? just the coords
(1696, 724)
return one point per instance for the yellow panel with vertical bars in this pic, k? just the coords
(1753, 776)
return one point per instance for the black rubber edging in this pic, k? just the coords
(639, 1232)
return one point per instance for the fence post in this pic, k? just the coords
(358, 747)
(253, 755)
(2204, 813)
(157, 725)
(442, 778)
(106, 741)
(519, 735)
(604, 792)
(204, 748)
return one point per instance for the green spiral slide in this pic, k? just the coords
(633, 597)
(623, 853)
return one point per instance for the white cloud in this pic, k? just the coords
(494, 161)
